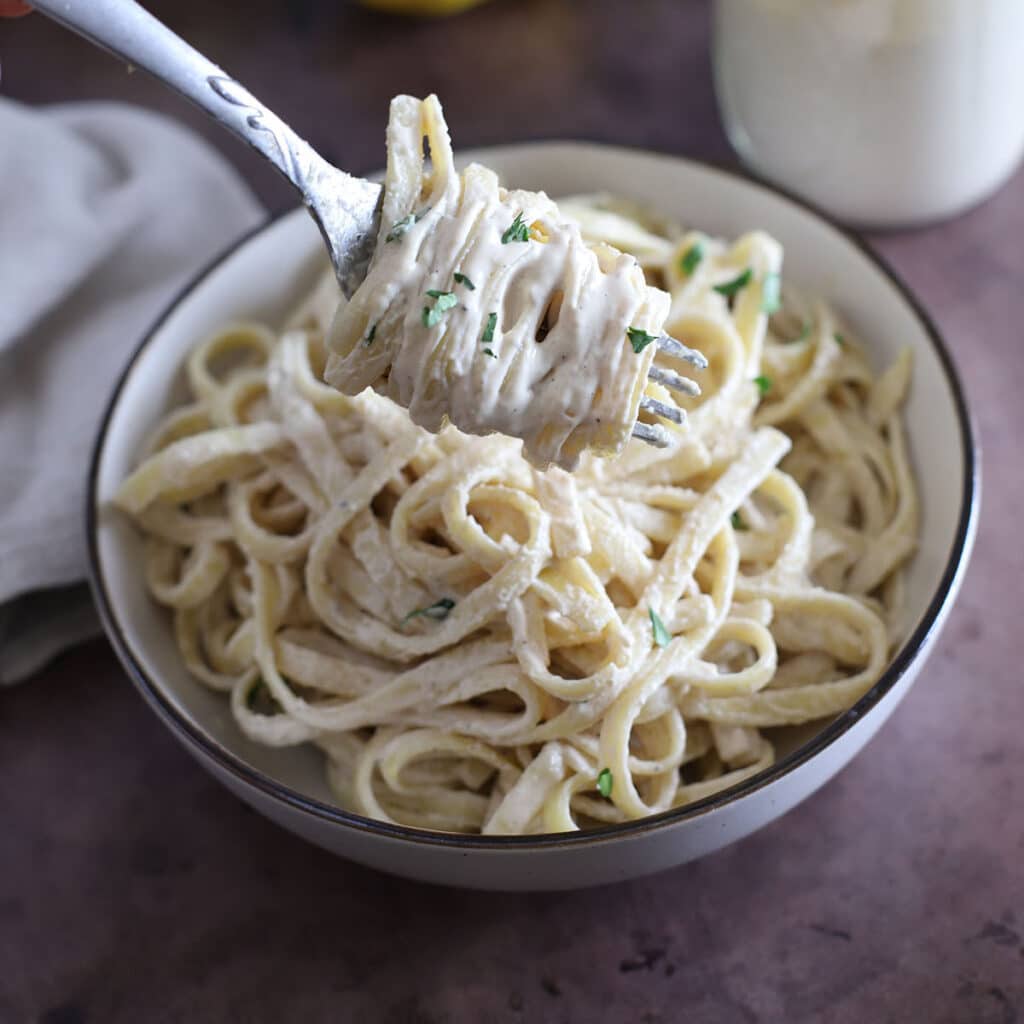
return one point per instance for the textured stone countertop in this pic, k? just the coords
(134, 888)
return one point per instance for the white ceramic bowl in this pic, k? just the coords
(263, 275)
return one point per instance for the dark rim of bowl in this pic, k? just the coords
(251, 777)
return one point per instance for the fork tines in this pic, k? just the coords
(651, 434)
(673, 381)
(654, 434)
(672, 413)
(671, 347)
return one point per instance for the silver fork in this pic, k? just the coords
(345, 208)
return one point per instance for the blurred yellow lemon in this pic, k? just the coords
(428, 7)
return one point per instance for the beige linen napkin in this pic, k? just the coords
(105, 212)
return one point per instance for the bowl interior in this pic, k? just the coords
(264, 276)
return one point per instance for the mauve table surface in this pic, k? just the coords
(134, 888)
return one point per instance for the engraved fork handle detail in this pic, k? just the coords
(343, 206)
(128, 31)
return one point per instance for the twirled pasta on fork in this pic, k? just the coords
(486, 307)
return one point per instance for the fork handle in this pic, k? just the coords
(128, 31)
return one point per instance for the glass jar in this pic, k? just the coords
(885, 112)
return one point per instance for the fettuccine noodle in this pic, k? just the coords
(486, 308)
(480, 646)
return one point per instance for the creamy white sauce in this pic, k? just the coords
(882, 111)
(536, 345)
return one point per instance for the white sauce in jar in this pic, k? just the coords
(882, 111)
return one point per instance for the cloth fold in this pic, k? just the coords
(106, 211)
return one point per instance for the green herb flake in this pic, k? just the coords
(400, 228)
(737, 284)
(840, 340)
(517, 231)
(805, 331)
(662, 637)
(737, 521)
(605, 781)
(640, 339)
(488, 336)
(436, 611)
(490, 352)
(463, 280)
(690, 260)
(443, 301)
(370, 335)
(764, 384)
(771, 293)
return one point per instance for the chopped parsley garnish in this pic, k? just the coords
(462, 279)
(437, 611)
(737, 284)
(771, 294)
(443, 301)
(764, 384)
(488, 336)
(639, 339)
(662, 637)
(605, 782)
(517, 231)
(370, 335)
(400, 228)
(737, 522)
(840, 340)
(690, 260)
(490, 352)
